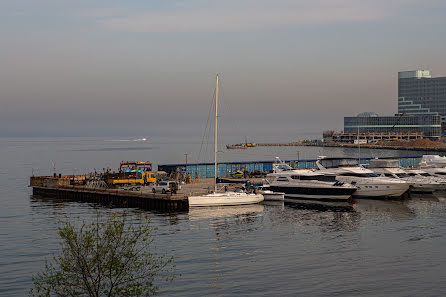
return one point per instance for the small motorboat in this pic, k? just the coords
(269, 195)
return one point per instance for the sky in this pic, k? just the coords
(289, 68)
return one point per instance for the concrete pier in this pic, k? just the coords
(119, 198)
(59, 187)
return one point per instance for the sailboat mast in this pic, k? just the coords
(215, 135)
(359, 148)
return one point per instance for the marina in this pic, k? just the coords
(198, 181)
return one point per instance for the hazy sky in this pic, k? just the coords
(145, 68)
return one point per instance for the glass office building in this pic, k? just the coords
(419, 93)
(429, 124)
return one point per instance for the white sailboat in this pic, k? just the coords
(223, 198)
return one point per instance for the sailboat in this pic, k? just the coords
(222, 198)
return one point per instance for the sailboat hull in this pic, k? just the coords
(224, 199)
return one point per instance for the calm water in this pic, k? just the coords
(373, 248)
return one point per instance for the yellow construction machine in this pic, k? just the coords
(132, 173)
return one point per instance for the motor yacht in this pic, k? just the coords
(433, 161)
(422, 173)
(434, 165)
(435, 171)
(369, 184)
(308, 184)
(417, 183)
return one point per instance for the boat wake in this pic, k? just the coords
(129, 140)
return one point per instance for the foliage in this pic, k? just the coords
(108, 257)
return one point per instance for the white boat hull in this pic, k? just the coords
(225, 199)
(376, 187)
(370, 190)
(273, 196)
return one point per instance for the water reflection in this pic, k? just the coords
(38, 201)
(327, 216)
(393, 209)
(230, 227)
(441, 195)
(233, 212)
(230, 221)
(320, 205)
(274, 204)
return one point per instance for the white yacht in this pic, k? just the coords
(308, 184)
(369, 184)
(434, 164)
(417, 183)
(436, 171)
(422, 173)
(228, 197)
(433, 161)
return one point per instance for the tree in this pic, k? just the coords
(108, 257)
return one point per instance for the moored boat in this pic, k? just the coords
(368, 183)
(417, 183)
(222, 198)
(308, 184)
(269, 195)
(229, 198)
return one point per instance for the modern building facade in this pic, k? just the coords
(427, 124)
(420, 93)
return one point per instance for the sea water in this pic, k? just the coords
(371, 248)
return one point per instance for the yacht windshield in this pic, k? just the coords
(314, 177)
(371, 174)
(283, 167)
(379, 163)
(402, 175)
(425, 174)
